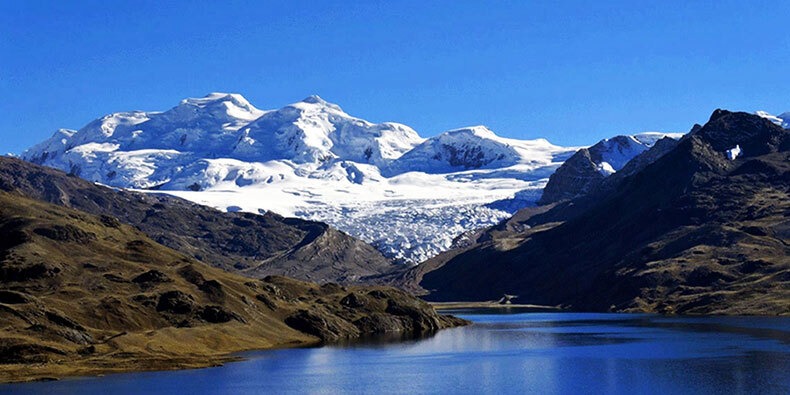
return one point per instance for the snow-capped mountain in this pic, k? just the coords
(151, 149)
(782, 119)
(610, 155)
(314, 131)
(381, 182)
(474, 147)
(588, 166)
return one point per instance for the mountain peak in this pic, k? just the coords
(214, 97)
(588, 167)
(755, 134)
(473, 147)
(478, 130)
(782, 119)
(320, 102)
(718, 113)
(314, 99)
(232, 104)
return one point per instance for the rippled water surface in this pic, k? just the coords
(502, 353)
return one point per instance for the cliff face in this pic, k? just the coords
(686, 231)
(249, 244)
(83, 294)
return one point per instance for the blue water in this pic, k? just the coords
(545, 353)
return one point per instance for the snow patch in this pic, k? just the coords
(734, 152)
(605, 169)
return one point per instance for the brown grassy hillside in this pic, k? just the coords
(83, 294)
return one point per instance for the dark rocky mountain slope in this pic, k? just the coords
(583, 172)
(83, 294)
(684, 230)
(249, 244)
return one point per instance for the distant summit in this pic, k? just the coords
(589, 166)
(471, 148)
(782, 119)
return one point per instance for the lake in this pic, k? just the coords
(546, 353)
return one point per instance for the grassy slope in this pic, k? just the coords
(73, 301)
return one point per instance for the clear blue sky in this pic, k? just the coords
(573, 72)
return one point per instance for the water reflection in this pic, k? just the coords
(503, 353)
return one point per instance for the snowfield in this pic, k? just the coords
(383, 183)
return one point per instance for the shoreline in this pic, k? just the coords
(99, 367)
(490, 305)
(89, 368)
